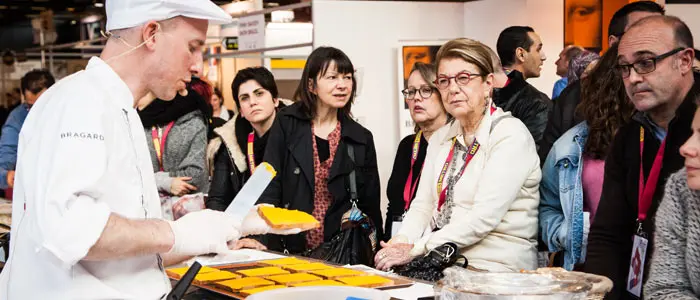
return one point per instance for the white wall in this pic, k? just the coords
(484, 20)
(689, 14)
(369, 33)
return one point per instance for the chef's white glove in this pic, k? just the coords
(202, 232)
(253, 224)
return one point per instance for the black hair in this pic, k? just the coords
(511, 39)
(681, 32)
(619, 19)
(261, 75)
(218, 93)
(316, 66)
(36, 80)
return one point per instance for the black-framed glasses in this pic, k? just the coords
(424, 91)
(462, 78)
(645, 66)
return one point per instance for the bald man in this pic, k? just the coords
(655, 61)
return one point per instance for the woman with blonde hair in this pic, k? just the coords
(479, 187)
(424, 103)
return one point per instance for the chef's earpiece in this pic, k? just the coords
(109, 34)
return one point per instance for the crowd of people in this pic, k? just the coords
(603, 176)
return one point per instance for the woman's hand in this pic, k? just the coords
(394, 254)
(247, 244)
(179, 186)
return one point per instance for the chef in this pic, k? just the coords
(86, 215)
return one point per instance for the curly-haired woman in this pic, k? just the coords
(572, 175)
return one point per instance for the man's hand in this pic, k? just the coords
(179, 186)
(11, 179)
(203, 232)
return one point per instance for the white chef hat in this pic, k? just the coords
(130, 13)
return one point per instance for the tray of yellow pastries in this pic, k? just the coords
(239, 281)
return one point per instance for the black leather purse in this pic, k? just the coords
(430, 266)
(357, 239)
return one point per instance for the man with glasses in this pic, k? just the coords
(655, 61)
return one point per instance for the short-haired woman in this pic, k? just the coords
(308, 146)
(479, 187)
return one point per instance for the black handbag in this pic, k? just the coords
(357, 239)
(430, 266)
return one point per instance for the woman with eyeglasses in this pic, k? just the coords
(480, 180)
(425, 106)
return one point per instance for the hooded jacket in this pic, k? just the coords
(226, 158)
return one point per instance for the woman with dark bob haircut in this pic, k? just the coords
(308, 146)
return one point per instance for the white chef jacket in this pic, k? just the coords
(82, 155)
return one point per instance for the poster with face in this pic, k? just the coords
(583, 21)
(410, 53)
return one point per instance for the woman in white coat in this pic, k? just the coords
(479, 187)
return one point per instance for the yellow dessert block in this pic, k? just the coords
(293, 278)
(215, 276)
(366, 281)
(284, 261)
(179, 272)
(336, 273)
(259, 272)
(244, 283)
(249, 292)
(280, 218)
(317, 283)
(307, 267)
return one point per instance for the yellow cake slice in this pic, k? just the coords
(317, 283)
(284, 261)
(260, 272)
(248, 292)
(307, 267)
(215, 276)
(280, 218)
(336, 273)
(179, 272)
(293, 278)
(243, 283)
(366, 281)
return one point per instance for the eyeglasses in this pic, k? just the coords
(424, 91)
(645, 66)
(462, 78)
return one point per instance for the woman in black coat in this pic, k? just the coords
(308, 146)
(425, 104)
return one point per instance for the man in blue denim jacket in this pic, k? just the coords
(33, 84)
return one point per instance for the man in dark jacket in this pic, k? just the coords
(562, 116)
(520, 50)
(655, 61)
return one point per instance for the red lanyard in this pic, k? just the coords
(646, 191)
(409, 189)
(159, 143)
(251, 153)
(473, 149)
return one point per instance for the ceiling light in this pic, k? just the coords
(99, 4)
(73, 22)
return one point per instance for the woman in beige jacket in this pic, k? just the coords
(479, 187)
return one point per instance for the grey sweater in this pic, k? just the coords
(184, 154)
(675, 265)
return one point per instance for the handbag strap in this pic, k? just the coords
(353, 180)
